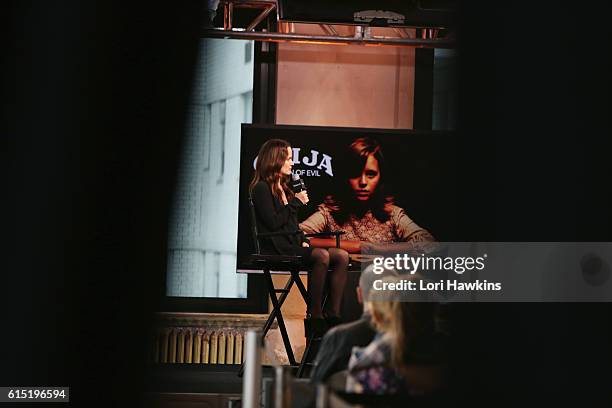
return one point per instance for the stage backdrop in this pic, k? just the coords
(420, 169)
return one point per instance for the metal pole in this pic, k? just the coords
(251, 382)
(228, 10)
(260, 18)
(322, 39)
(282, 388)
(322, 396)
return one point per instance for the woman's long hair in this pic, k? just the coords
(342, 204)
(270, 159)
(404, 321)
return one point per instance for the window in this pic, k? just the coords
(444, 90)
(204, 222)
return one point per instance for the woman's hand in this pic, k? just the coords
(305, 244)
(302, 196)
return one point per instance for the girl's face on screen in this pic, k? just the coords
(364, 185)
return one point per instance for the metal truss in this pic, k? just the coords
(266, 26)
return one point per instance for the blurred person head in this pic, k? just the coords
(403, 321)
(366, 282)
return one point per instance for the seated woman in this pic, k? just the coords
(361, 207)
(407, 355)
(276, 209)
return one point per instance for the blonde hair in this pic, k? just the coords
(403, 322)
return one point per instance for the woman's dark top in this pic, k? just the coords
(273, 216)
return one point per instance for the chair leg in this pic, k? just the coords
(276, 313)
(305, 356)
(298, 282)
(279, 316)
(281, 300)
(310, 339)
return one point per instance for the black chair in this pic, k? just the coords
(293, 265)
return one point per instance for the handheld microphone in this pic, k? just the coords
(297, 184)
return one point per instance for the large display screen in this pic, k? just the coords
(416, 174)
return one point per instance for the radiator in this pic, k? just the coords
(198, 346)
(199, 338)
